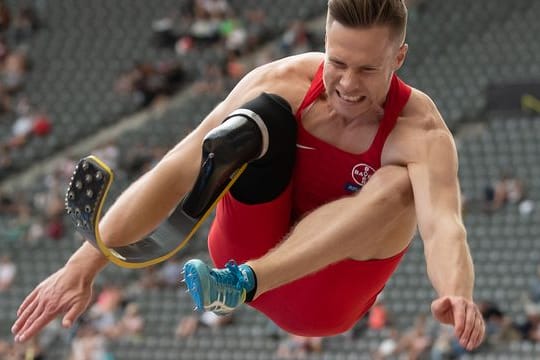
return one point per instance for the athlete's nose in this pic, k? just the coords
(349, 80)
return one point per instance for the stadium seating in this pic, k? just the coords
(456, 49)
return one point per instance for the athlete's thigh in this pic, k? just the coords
(243, 231)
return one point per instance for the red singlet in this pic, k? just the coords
(332, 300)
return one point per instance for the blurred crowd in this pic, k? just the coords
(26, 120)
(115, 315)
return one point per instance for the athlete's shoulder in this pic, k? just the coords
(423, 112)
(298, 67)
(289, 77)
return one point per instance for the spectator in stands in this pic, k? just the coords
(25, 24)
(417, 340)
(443, 344)
(234, 33)
(8, 270)
(131, 323)
(256, 27)
(89, 343)
(109, 153)
(215, 9)
(5, 349)
(204, 28)
(235, 68)
(103, 313)
(14, 71)
(168, 273)
(8, 204)
(5, 16)
(4, 49)
(161, 276)
(499, 327)
(6, 161)
(189, 324)
(149, 83)
(21, 129)
(388, 346)
(29, 123)
(164, 34)
(378, 316)
(211, 82)
(530, 327)
(534, 287)
(297, 39)
(42, 125)
(54, 228)
(506, 189)
(298, 347)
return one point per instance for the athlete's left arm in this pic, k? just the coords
(434, 178)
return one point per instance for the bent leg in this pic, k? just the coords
(376, 223)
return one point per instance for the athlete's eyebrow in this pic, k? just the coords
(361, 67)
(335, 60)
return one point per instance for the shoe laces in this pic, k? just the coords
(230, 284)
(231, 278)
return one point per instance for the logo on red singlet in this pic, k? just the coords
(361, 173)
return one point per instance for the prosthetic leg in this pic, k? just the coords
(242, 139)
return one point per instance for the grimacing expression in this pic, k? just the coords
(358, 67)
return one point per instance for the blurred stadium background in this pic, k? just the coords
(126, 79)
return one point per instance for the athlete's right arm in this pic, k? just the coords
(148, 201)
(134, 214)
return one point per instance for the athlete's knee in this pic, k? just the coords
(393, 184)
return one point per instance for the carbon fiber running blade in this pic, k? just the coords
(86, 194)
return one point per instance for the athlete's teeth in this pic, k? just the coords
(350, 98)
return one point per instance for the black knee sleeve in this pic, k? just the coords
(266, 177)
(261, 133)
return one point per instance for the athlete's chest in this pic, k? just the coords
(354, 138)
(331, 163)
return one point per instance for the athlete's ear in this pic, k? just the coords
(401, 55)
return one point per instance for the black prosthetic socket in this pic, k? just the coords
(261, 133)
(267, 177)
(225, 149)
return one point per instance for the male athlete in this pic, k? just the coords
(315, 240)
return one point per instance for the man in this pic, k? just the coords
(314, 254)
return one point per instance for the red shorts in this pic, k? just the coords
(325, 303)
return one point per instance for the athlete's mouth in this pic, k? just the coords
(351, 99)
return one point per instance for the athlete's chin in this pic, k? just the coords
(349, 111)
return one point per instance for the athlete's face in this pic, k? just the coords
(358, 67)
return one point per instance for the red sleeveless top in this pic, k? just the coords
(325, 173)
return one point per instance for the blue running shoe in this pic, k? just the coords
(218, 290)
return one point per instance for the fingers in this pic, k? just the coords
(460, 316)
(27, 302)
(33, 314)
(479, 333)
(469, 324)
(441, 308)
(28, 321)
(72, 315)
(24, 312)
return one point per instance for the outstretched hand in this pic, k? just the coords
(464, 315)
(64, 292)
